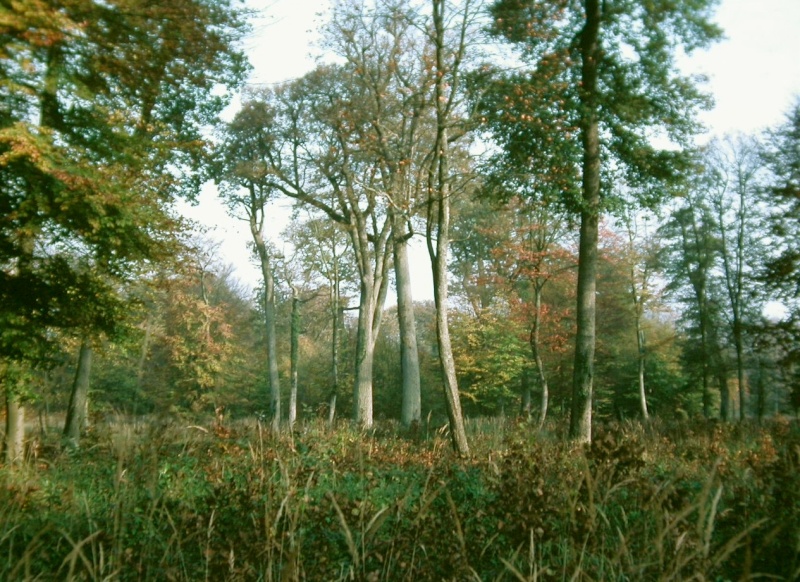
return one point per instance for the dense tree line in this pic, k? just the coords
(578, 268)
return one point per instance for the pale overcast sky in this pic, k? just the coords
(754, 75)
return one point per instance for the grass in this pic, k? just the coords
(167, 501)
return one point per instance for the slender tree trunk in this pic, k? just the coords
(438, 249)
(411, 410)
(537, 356)
(734, 283)
(721, 371)
(583, 371)
(740, 371)
(638, 299)
(336, 313)
(77, 417)
(642, 354)
(15, 429)
(698, 280)
(642, 362)
(269, 319)
(294, 355)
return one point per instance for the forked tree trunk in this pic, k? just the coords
(77, 412)
(411, 410)
(373, 256)
(365, 355)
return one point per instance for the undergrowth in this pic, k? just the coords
(165, 501)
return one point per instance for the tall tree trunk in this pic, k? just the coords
(721, 371)
(638, 299)
(269, 320)
(77, 417)
(734, 283)
(441, 191)
(365, 353)
(411, 410)
(294, 355)
(336, 314)
(580, 427)
(642, 361)
(640, 344)
(537, 356)
(373, 256)
(698, 280)
(15, 429)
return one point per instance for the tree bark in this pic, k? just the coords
(583, 371)
(269, 320)
(77, 417)
(638, 309)
(411, 410)
(336, 314)
(294, 355)
(15, 429)
(438, 248)
(373, 255)
(537, 356)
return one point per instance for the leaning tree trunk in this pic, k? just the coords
(411, 410)
(438, 249)
(580, 427)
(77, 417)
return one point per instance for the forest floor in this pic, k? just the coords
(184, 501)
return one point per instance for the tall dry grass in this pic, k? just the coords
(167, 501)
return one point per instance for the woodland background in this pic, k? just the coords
(615, 306)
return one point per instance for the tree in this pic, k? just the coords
(616, 64)
(782, 161)
(244, 185)
(312, 155)
(782, 194)
(383, 44)
(641, 252)
(735, 167)
(450, 26)
(101, 126)
(77, 412)
(506, 256)
(690, 261)
(323, 249)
